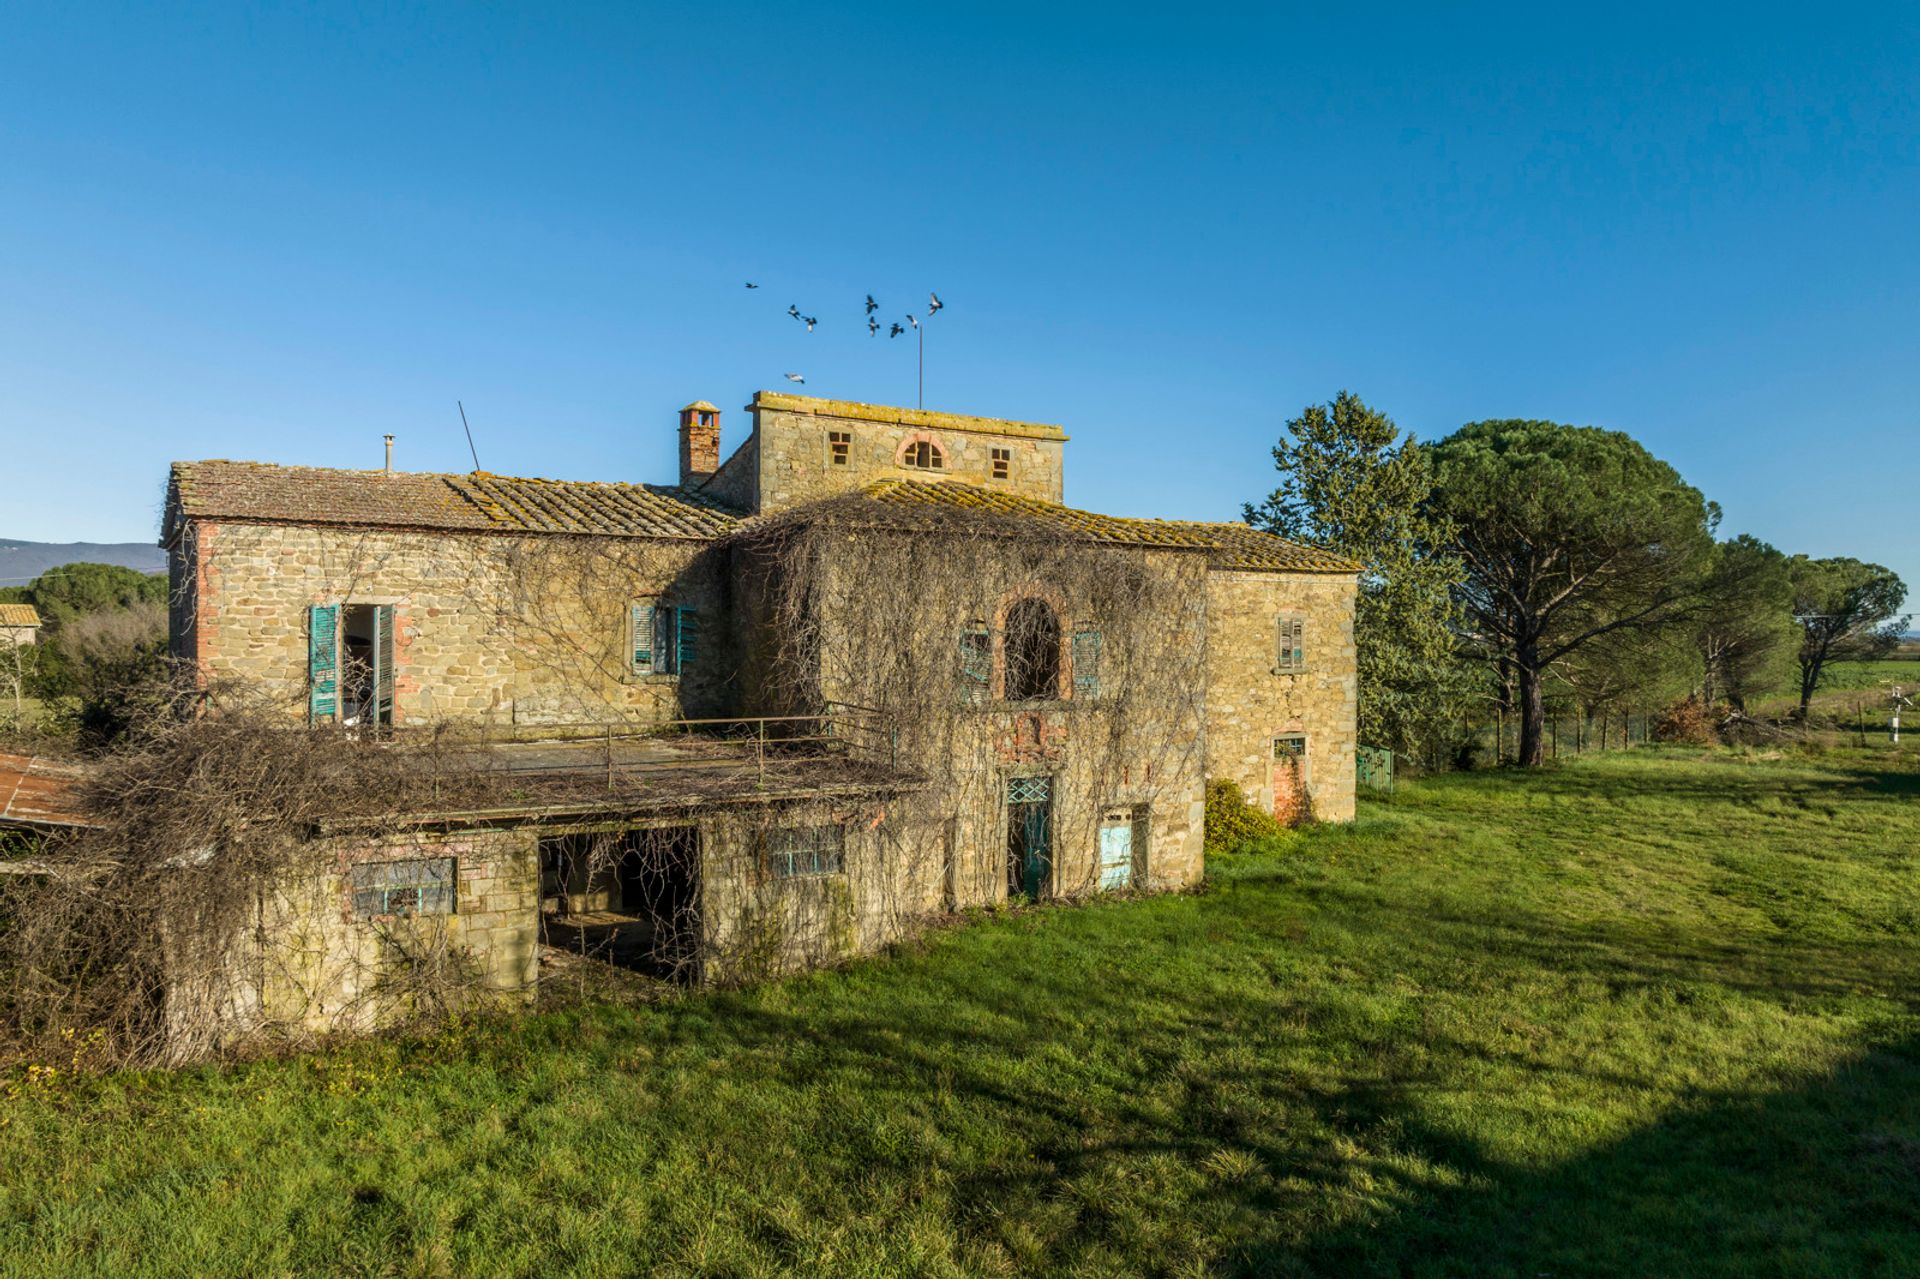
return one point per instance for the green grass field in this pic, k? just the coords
(1647, 1014)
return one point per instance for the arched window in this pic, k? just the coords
(924, 455)
(1032, 649)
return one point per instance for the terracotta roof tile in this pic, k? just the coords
(1228, 545)
(36, 791)
(476, 502)
(19, 615)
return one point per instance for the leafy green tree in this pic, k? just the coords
(114, 671)
(1846, 609)
(1744, 635)
(74, 590)
(1352, 482)
(1568, 534)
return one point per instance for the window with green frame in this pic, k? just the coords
(799, 852)
(662, 639)
(415, 886)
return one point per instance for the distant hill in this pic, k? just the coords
(21, 562)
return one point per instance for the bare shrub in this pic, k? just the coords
(1687, 722)
(130, 928)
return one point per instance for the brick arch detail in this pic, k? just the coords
(1053, 600)
(922, 437)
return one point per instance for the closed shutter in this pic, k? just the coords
(1086, 663)
(687, 623)
(383, 664)
(323, 663)
(640, 622)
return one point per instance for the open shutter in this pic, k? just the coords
(1086, 663)
(687, 622)
(323, 663)
(1293, 653)
(976, 663)
(640, 621)
(383, 664)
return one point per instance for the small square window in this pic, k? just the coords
(799, 852)
(839, 447)
(1290, 746)
(1002, 464)
(417, 886)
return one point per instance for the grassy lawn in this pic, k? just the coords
(1851, 691)
(1649, 1013)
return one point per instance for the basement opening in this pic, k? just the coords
(628, 898)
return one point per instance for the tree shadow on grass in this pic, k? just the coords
(1819, 1180)
(1342, 1170)
(1323, 1154)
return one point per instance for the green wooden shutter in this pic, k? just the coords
(640, 621)
(383, 664)
(1086, 663)
(976, 663)
(687, 622)
(323, 663)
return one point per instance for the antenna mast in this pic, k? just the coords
(469, 431)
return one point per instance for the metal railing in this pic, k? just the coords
(628, 749)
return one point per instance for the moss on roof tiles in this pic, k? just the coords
(476, 502)
(19, 615)
(1227, 545)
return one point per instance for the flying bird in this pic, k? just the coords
(897, 331)
(796, 377)
(872, 306)
(794, 311)
(752, 285)
(934, 303)
(915, 323)
(810, 322)
(873, 326)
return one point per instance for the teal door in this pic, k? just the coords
(1116, 851)
(1029, 835)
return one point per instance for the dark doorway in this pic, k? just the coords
(1029, 835)
(630, 898)
(366, 666)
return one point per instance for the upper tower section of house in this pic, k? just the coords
(803, 449)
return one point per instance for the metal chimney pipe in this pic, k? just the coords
(389, 455)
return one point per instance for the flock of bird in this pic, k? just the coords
(934, 305)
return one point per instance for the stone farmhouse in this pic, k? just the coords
(19, 624)
(867, 669)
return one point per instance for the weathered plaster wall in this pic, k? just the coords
(1250, 703)
(523, 631)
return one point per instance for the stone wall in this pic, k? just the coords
(512, 631)
(1250, 702)
(794, 460)
(1138, 745)
(317, 965)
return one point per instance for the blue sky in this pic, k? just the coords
(279, 233)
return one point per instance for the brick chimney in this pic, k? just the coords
(699, 442)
